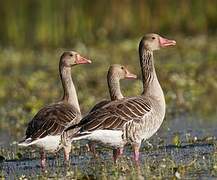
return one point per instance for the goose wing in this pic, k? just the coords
(51, 120)
(99, 105)
(115, 114)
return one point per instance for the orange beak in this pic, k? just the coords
(166, 42)
(129, 75)
(82, 60)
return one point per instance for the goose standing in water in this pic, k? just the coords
(116, 72)
(45, 128)
(133, 119)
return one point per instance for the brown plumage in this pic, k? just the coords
(133, 119)
(115, 73)
(45, 128)
(52, 120)
(114, 115)
(99, 105)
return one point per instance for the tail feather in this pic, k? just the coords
(25, 142)
(67, 137)
(81, 134)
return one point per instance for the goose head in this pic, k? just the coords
(71, 58)
(154, 42)
(120, 72)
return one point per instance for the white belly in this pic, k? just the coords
(107, 137)
(48, 143)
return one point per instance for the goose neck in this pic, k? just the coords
(151, 85)
(147, 67)
(114, 87)
(69, 95)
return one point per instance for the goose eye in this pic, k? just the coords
(153, 38)
(70, 55)
(122, 67)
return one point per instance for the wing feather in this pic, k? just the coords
(115, 114)
(51, 120)
(99, 105)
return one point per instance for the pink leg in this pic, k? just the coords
(136, 152)
(92, 149)
(56, 157)
(121, 151)
(117, 152)
(43, 159)
(115, 155)
(67, 150)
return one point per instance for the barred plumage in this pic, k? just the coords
(44, 130)
(113, 115)
(52, 120)
(116, 72)
(129, 120)
(99, 105)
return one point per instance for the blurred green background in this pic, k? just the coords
(54, 23)
(33, 34)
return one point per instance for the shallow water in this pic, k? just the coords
(183, 147)
(184, 155)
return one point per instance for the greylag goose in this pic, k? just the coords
(116, 72)
(133, 119)
(45, 128)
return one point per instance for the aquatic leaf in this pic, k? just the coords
(176, 140)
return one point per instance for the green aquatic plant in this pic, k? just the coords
(176, 140)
